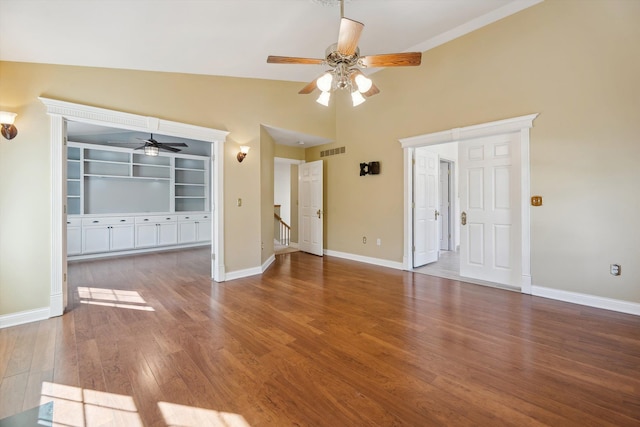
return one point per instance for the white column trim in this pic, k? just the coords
(60, 111)
(520, 124)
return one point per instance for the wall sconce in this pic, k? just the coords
(244, 149)
(8, 130)
(371, 168)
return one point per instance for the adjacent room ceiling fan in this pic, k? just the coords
(346, 63)
(152, 147)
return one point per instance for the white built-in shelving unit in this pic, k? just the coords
(119, 199)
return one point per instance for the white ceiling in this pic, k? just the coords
(227, 37)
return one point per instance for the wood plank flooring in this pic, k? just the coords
(150, 340)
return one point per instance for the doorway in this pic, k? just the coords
(519, 128)
(60, 112)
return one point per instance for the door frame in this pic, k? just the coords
(60, 112)
(522, 125)
(451, 238)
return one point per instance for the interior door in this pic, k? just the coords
(311, 205)
(426, 180)
(490, 197)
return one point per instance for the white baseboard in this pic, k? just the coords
(268, 262)
(369, 260)
(239, 274)
(588, 300)
(15, 319)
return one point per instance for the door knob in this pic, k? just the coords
(436, 215)
(319, 212)
(463, 218)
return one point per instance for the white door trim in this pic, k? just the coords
(60, 112)
(520, 124)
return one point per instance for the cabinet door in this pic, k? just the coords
(122, 237)
(74, 240)
(187, 232)
(167, 234)
(204, 231)
(95, 239)
(146, 235)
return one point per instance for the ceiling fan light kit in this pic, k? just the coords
(346, 65)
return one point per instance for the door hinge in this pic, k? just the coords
(413, 205)
(65, 277)
(414, 248)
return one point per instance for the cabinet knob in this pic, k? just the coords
(95, 222)
(186, 217)
(68, 222)
(168, 219)
(146, 219)
(123, 220)
(205, 217)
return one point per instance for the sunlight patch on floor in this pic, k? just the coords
(113, 298)
(188, 416)
(77, 407)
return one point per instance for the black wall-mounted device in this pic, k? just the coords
(371, 168)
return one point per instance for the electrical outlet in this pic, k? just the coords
(364, 240)
(378, 242)
(615, 269)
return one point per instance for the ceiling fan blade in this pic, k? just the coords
(141, 147)
(373, 91)
(309, 88)
(392, 59)
(166, 148)
(349, 36)
(293, 60)
(173, 144)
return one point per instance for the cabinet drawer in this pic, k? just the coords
(194, 217)
(74, 222)
(156, 219)
(115, 220)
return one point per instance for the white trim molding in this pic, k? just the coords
(368, 260)
(588, 300)
(268, 263)
(240, 274)
(60, 112)
(22, 317)
(522, 125)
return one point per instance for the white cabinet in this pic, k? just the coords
(160, 230)
(107, 234)
(194, 228)
(74, 236)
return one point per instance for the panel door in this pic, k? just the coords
(122, 237)
(490, 196)
(426, 201)
(204, 231)
(95, 239)
(187, 232)
(146, 235)
(74, 240)
(310, 196)
(167, 233)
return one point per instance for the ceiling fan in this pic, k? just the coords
(152, 147)
(346, 63)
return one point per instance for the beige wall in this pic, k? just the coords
(575, 63)
(267, 149)
(233, 104)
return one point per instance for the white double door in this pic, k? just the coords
(490, 206)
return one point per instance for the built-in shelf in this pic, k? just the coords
(111, 180)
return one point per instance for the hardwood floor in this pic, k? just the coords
(150, 340)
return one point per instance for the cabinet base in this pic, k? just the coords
(72, 258)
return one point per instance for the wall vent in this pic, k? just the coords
(333, 152)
